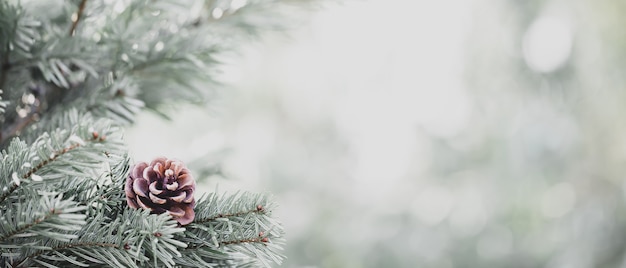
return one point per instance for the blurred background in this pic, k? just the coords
(452, 133)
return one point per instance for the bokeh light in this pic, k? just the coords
(547, 44)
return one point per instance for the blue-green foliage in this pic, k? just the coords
(72, 74)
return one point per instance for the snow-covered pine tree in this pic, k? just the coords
(73, 74)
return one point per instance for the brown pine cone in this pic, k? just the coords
(164, 185)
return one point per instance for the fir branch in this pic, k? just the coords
(79, 15)
(248, 240)
(121, 62)
(9, 191)
(26, 226)
(78, 245)
(9, 26)
(252, 18)
(259, 209)
(75, 152)
(117, 101)
(134, 238)
(17, 34)
(41, 219)
(235, 227)
(95, 243)
(155, 234)
(53, 157)
(104, 196)
(94, 138)
(14, 158)
(34, 61)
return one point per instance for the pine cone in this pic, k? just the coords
(162, 186)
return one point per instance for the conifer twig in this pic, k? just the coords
(262, 240)
(79, 14)
(67, 246)
(27, 226)
(259, 209)
(45, 162)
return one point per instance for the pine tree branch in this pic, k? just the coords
(19, 36)
(25, 227)
(11, 189)
(259, 209)
(141, 57)
(233, 227)
(21, 262)
(79, 14)
(55, 155)
(262, 240)
(241, 241)
(29, 62)
(40, 223)
(9, 192)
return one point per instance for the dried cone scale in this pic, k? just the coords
(164, 185)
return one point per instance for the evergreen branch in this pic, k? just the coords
(12, 159)
(95, 138)
(79, 14)
(259, 210)
(31, 62)
(60, 217)
(75, 152)
(9, 191)
(53, 157)
(17, 34)
(154, 234)
(117, 101)
(20, 263)
(231, 242)
(235, 227)
(166, 60)
(140, 55)
(96, 242)
(252, 18)
(10, 25)
(25, 227)
(134, 238)
(104, 196)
